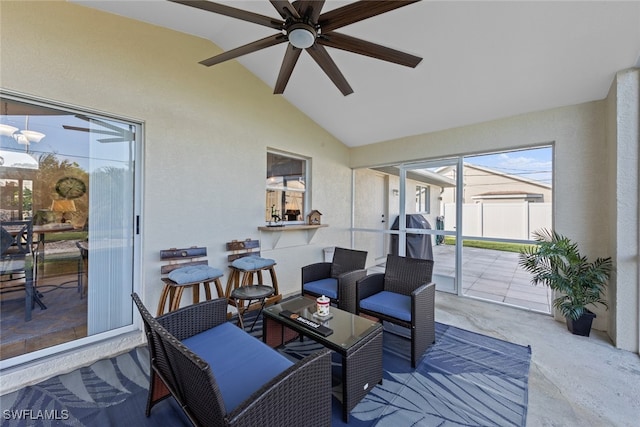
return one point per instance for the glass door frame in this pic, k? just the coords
(457, 162)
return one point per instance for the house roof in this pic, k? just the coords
(483, 60)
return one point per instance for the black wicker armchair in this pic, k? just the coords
(336, 279)
(403, 295)
(219, 395)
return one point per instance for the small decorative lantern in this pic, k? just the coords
(314, 217)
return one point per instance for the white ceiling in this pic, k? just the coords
(483, 60)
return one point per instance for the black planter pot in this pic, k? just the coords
(582, 326)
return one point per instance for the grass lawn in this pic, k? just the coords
(498, 246)
(70, 235)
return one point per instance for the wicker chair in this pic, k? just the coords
(403, 295)
(17, 263)
(301, 391)
(336, 279)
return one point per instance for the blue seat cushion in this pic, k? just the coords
(252, 263)
(194, 273)
(327, 287)
(390, 304)
(240, 363)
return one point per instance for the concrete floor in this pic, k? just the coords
(490, 275)
(573, 380)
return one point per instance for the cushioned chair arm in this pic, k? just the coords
(347, 289)
(423, 319)
(369, 285)
(424, 297)
(193, 319)
(421, 289)
(317, 271)
(302, 392)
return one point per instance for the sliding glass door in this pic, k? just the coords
(422, 218)
(72, 174)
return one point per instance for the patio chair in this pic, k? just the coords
(403, 295)
(222, 376)
(337, 279)
(17, 265)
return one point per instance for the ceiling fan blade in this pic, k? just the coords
(289, 61)
(243, 50)
(309, 8)
(285, 9)
(233, 12)
(67, 127)
(358, 11)
(363, 47)
(108, 140)
(102, 123)
(320, 55)
(102, 132)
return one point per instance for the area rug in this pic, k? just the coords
(464, 379)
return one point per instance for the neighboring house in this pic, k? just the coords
(201, 166)
(498, 204)
(485, 185)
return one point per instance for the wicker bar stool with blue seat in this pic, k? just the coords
(245, 263)
(186, 270)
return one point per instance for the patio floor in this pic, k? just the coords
(489, 275)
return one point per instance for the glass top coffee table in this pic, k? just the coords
(358, 340)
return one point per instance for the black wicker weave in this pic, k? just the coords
(407, 276)
(301, 392)
(348, 267)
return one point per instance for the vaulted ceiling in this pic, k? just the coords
(482, 60)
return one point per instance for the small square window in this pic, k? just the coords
(286, 188)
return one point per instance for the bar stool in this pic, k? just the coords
(186, 270)
(246, 263)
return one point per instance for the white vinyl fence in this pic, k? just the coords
(500, 220)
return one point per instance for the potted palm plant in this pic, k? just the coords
(555, 261)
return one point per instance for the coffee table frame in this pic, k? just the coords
(361, 361)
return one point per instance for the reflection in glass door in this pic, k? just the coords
(71, 174)
(422, 233)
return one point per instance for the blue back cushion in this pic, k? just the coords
(389, 303)
(240, 363)
(327, 287)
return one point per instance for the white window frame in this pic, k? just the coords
(306, 208)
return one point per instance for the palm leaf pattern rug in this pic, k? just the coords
(464, 379)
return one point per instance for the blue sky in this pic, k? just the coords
(535, 163)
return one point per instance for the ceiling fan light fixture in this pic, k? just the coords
(302, 36)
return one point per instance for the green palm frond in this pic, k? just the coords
(555, 261)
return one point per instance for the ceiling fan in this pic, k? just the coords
(116, 133)
(303, 26)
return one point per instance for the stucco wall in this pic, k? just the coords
(206, 132)
(623, 140)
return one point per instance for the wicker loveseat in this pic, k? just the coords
(222, 376)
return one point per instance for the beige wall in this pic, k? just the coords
(623, 140)
(206, 135)
(586, 179)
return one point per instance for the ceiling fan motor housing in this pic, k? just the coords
(301, 35)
